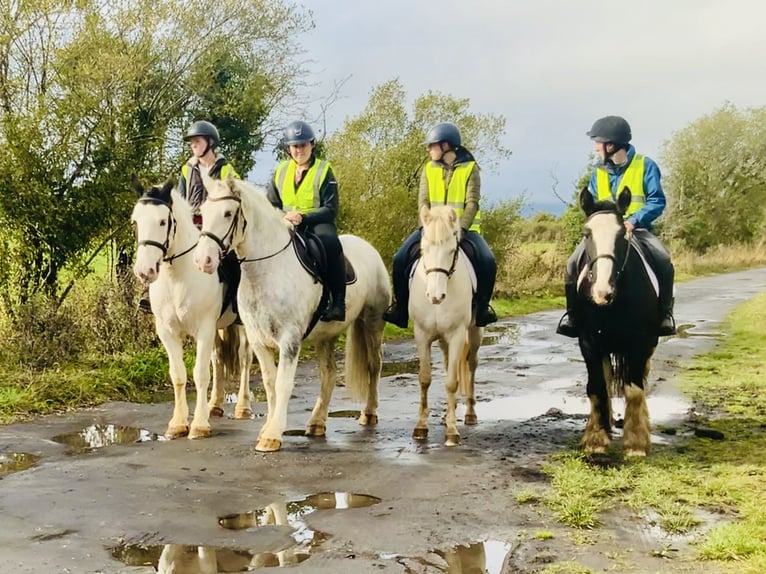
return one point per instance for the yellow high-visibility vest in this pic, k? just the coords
(455, 195)
(305, 199)
(632, 178)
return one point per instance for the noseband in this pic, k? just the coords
(224, 249)
(172, 226)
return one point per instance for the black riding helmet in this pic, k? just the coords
(205, 130)
(444, 132)
(611, 129)
(298, 132)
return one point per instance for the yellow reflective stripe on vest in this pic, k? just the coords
(225, 170)
(306, 198)
(633, 179)
(455, 195)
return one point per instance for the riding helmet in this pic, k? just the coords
(204, 129)
(610, 129)
(444, 132)
(298, 132)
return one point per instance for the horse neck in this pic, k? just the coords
(265, 233)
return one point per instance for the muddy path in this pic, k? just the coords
(98, 491)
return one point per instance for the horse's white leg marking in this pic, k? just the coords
(468, 379)
(179, 423)
(596, 438)
(325, 351)
(268, 377)
(424, 376)
(271, 434)
(374, 353)
(452, 360)
(200, 427)
(635, 433)
(243, 409)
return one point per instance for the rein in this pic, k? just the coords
(172, 226)
(448, 272)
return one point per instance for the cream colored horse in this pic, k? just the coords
(186, 302)
(440, 308)
(278, 298)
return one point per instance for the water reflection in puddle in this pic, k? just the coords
(101, 435)
(399, 367)
(257, 395)
(475, 558)
(506, 335)
(347, 414)
(16, 461)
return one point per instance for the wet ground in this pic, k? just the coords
(100, 490)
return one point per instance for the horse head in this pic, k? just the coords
(439, 249)
(222, 222)
(155, 228)
(606, 245)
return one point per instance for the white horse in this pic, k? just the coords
(440, 308)
(278, 298)
(186, 302)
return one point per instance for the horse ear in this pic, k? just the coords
(586, 200)
(452, 216)
(135, 184)
(623, 200)
(425, 215)
(168, 186)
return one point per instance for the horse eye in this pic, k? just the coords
(227, 213)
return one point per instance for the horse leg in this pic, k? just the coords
(364, 357)
(215, 405)
(179, 423)
(468, 375)
(243, 410)
(424, 376)
(596, 438)
(325, 351)
(268, 377)
(453, 359)
(636, 430)
(271, 434)
(200, 426)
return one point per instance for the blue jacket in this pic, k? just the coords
(655, 196)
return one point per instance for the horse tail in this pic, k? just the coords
(227, 342)
(364, 355)
(619, 374)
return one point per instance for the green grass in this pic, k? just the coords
(682, 486)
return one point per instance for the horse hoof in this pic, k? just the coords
(268, 445)
(216, 412)
(452, 440)
(420, 434)
(176, 432)
(243, 413)
(200, 432)
(316, 430)
(471, 419)
(368, 420)
(635, 453)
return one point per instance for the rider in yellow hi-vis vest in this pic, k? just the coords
(450, 177)
(203, 141)
(305, 187)
(619, 167)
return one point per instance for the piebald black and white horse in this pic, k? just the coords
(618, 313)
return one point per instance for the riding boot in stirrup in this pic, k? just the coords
(668, 323)
(143, 301)
(396, 316)
(567, 324)
(485, 315)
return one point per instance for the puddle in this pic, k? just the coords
(16, 462)
(683, 332)
(348, 414)
(203, 559)
(100, 435)
(294, 510)
(478, 557)
(506, 335)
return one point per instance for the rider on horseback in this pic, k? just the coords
(306, 189)
(203, 140)
(449, 177)
(619, 167)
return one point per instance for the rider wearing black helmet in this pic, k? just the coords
(450, 177)
(620, 166)
(306, 188)
(203, 140)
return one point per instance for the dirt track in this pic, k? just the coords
(109, 509)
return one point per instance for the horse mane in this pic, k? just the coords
(254, 200)
(441, 224)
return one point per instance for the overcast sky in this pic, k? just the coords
(550, 67)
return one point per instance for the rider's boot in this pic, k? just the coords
(667, 322)
(485, 314)
(398, 312)
(568, 324)
(143, 301)
(336, 310)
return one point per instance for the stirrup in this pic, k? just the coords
(566, 327)
(145, 306)
(394, 316)
(334, 313)
(667, 326)
(485, 316)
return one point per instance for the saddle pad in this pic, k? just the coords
(463, 257)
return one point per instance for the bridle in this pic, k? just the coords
(172, 226)
(220, 241)
(448, 272)
(619, 266)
